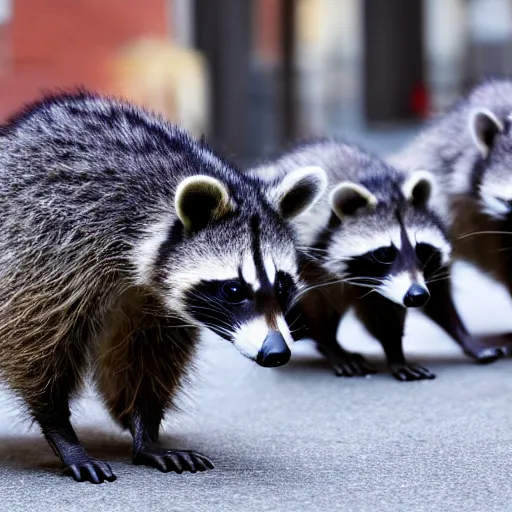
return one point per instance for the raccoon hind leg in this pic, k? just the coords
(491, 347)
(442, 310)
(62, 371)
(321, 322)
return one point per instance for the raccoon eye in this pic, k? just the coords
(385, 255)
(234, 292)
(283, 284)
(425, 252)
(284, 289)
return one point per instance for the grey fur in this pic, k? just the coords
(472, 156)
(446, 147)
(339, 245)
(342, 162)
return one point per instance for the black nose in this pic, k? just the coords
(274, 351)
(416, 296)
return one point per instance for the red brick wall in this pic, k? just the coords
(66, 43)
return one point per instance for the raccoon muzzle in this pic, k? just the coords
(416, 296)
(274, 351)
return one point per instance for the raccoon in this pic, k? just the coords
(371, 242)
(469, 148)
(121, 240)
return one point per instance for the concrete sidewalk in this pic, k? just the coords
(300, 439)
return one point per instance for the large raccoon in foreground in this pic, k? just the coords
(469, 148)
(121, 238)
(373, 242)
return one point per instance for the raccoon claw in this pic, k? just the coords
(172, 460)
(355, 366)
(348, 364)
(406, 372)
(90, 470)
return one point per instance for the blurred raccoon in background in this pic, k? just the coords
(469, 148)
(374, 242)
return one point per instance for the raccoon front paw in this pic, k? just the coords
(354, 366)
(406, 372)
(348, 364)
(172, 460)
(89, 470)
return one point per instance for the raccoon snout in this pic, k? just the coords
(416, 296)
(274, 351)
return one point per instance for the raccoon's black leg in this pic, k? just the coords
(320, 323)
(385, 321)
(503, 340)
(52, 413)
(441, 309)
(138, 380)
(62, 438)
(147, 451)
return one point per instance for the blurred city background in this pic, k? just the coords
(254, 74)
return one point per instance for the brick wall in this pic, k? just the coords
(66, 43)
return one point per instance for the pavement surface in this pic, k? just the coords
(298, 438)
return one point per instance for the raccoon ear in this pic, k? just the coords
(299, 190)
(349, 197)
(484, 126)
(418, 188)
(200, 199)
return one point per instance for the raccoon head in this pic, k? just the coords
(493, 171)
(393, 248)
(228, 263)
